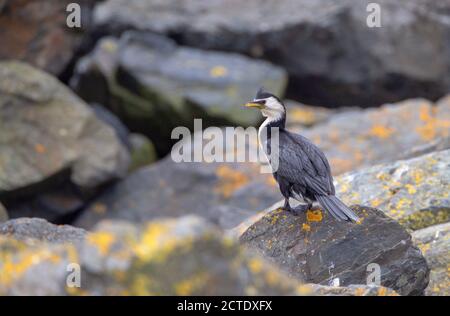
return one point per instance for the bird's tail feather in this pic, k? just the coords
(337, 208)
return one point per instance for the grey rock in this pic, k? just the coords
(49, 137)
(153, 85)
(40, 229)
(36, 32)
(326, 46)
(314, 248)
(415, 192)
(434, 243)
(186, 256)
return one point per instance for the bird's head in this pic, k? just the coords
(269, 104)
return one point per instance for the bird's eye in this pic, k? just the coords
(262, 102)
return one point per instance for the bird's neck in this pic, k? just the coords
(265, 130)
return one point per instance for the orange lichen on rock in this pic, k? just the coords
(432, 126)
(102, 240)
(314, 216)
(40, 149)
(381, 131)
(306, 227)
(230, 180)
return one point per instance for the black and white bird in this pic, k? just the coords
(302, 170)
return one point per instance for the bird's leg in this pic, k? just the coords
(287, 206)
(301, 208)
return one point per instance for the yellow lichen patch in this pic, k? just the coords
(381, 131)
(304, 289)
(141, 286)
(13, 267)
(218, 71)
(306, 227)
(424, 219)
(418, 175)
(40, 149)
(157, 243)
(255, 265)
(432, 126)
(360, 291)
(382, 291)
(190, 285)
(102, 241)
(230, 180)
(411, 189)
(272, 277)
(376, 202)
(314, 216)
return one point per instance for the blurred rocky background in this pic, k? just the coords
(86, 116)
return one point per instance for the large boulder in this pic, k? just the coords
(359, 138)
(434, 243)
(186, 256)
(415, 192)
(155, 85)
(51, 142)
(331, 53)
(36, 32)
(313, 247)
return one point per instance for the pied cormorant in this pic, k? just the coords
(302, 170)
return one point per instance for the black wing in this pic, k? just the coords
(301, 162)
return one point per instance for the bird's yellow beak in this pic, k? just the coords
(254, 105)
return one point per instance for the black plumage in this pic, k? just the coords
(303, 171)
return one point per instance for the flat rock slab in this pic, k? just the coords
(434, 242)
(313, 247)
(46, 130)
(326, 46)
(40, 229)
(415, 192)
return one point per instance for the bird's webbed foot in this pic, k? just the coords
(299, 209)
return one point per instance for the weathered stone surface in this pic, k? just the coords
(353, 290)
(142, 151)
(45, 130)
(40, 229)
(434, 242)
(36, 32)
(354, 139)
(3, 213)
(313, 247)
(415, 192)
(155, 85)
(53, 148)
(186, 256)
(326, 46)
